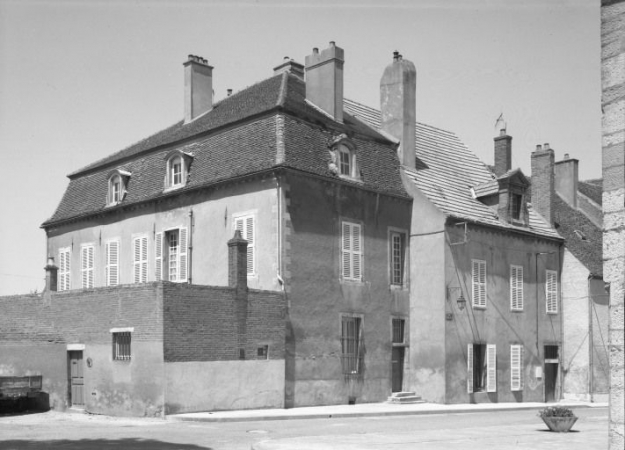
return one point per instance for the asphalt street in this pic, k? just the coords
(496, 430)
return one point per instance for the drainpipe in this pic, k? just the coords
(591, 343)
(190, 249)
(279, 195)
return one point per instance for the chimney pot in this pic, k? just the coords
(566, 156)
(502, 132)
(539, 148)
(332, 44)
(229, 92)
(567, 179)
(315, 50)
(546, 146)
(51, 275)
(286, 58)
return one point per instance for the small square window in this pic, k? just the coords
(262, 352)
(121, 346)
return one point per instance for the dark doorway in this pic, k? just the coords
(397, 364)
(551, 372)
(76, 380)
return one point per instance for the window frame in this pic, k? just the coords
(116, 197)
(161, 255)
(121, 340)
(551, 295)
(516, 206)
(482, 370)
(340, 146)
(399, 330)
(479, 286)
(245, 219)
(349, 254)
(352, 362)
(65, 269)
(171, 182)
(401, 235)
(87, 266)
(516, 288)
(111, 269)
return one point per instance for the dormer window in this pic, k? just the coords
(343, 158)
(345, 161)
(118, 180)
(178, 164)
(516, 206)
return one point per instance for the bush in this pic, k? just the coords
(556, 411)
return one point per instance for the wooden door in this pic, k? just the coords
(76, 379)
(551, 377)
(397, 369)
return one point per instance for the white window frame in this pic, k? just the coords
(112, 262)
(478, 283)
(170, 176)
(140, 259)
(182, 259)
(491, 368)
(120, 176)
(352, 251)
(65, 269)
(343, 149)
(516, 288)
(516, 367)
(87, 264)
(551, 291)
(246, 223)
(396, 234)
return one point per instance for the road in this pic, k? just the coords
(491, 430)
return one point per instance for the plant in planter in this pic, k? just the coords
(558, 418)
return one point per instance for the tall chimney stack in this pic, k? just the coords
(543, 183)
(237, 262)
(51, 275)
(503, 153)
(398, 94)
(198, 87)
(324, 80)
(567, 177)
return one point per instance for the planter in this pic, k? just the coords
(560, 424)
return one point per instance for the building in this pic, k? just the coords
(392, 257)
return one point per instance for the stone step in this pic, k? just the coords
(403, 394)
(405, 398)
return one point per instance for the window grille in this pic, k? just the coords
(351, 346)
(516, 288)
(398, 331)
(121, 346)
(479, 283)
(262, 352)
(344, 161)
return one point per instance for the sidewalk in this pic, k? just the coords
(366, 409)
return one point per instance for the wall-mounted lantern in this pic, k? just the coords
(461, 302)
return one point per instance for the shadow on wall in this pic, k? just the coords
(21, 405)
(98, 444)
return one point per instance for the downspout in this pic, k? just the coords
(561, 316)
(591, 343)
(279, 243)
(190, 249)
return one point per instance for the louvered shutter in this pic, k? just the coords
(516, 367)
(86, 266)
(470, 369)
(83, 266)
(112, 263)
(90, 261)
(183, 254)
(551, 295)
(65, 269)
(250, 237)
(479, 283)
(144, 259)
(347, 266)
(491, 368)
(516, 287)
(158, 257)
(356, 252)
(136, 244)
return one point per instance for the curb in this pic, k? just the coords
(340, 415)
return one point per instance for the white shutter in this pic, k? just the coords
(136, 260)
(491, 368)
(91, 251)
(65, 269)
(551, 295)
(516, 367)
(470, 369)
(346, 240)
(479, 283)
(158, 259)
(112, 263)
(182, 254)
(516, 288)
(352, 251)
(356, 252)
(86, 266)
(83, 266)
(250, 237)
(144, 259)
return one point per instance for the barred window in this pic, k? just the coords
(121, 346)
(351, 346)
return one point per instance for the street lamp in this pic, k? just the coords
(461, 302)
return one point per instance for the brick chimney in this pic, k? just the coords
(288, 65)
(237, 262)
(398, 91)
(198, 87)
(324, 80)
(51, 275)
(543, 182)
(503, 153)
(567, 176)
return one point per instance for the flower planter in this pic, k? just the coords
(560, 424)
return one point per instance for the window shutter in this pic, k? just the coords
(347, 270)
(250, 237)
(83, 266)
(183, 254)
(90, 252)
(158, 260)
(479, 283)
(144, 259)
(137, 260)
(516, 367)
(65, 269)
(357, 251)
(491, 368)
(112, 263)
(551, 286)
(516, 287)
(470, 369)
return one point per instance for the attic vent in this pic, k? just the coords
(580, 235)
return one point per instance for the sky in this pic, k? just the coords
(80, 80)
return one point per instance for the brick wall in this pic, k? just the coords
(543, 183)
(200, 323)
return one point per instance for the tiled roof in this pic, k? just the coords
(593, 189)
(446, 171)
(247, 145)
(583, 238)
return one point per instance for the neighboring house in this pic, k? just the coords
(575, 208)
(387, 254)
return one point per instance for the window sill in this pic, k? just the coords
(353, 179)
(479, 308)
(398, 287)
(352, 282)
(516, 310)
(173, 188)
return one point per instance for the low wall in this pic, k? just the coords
(224, 385)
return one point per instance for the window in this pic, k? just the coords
(398, 331)
(171, 256)
(352, 252)
(246, 225)
(121, 346)
(481, 368)
(112, 263)
(516, 288)
(516, 206)
(86, 266)
(262, 352)
(516, 367)
(64, 269)
(551, 291)
(351, 345)
(479, 283)
(178, 164)
(345, 163)
(140, 259)
(117, 186)
(397, 255)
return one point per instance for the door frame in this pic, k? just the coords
(71, 351)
